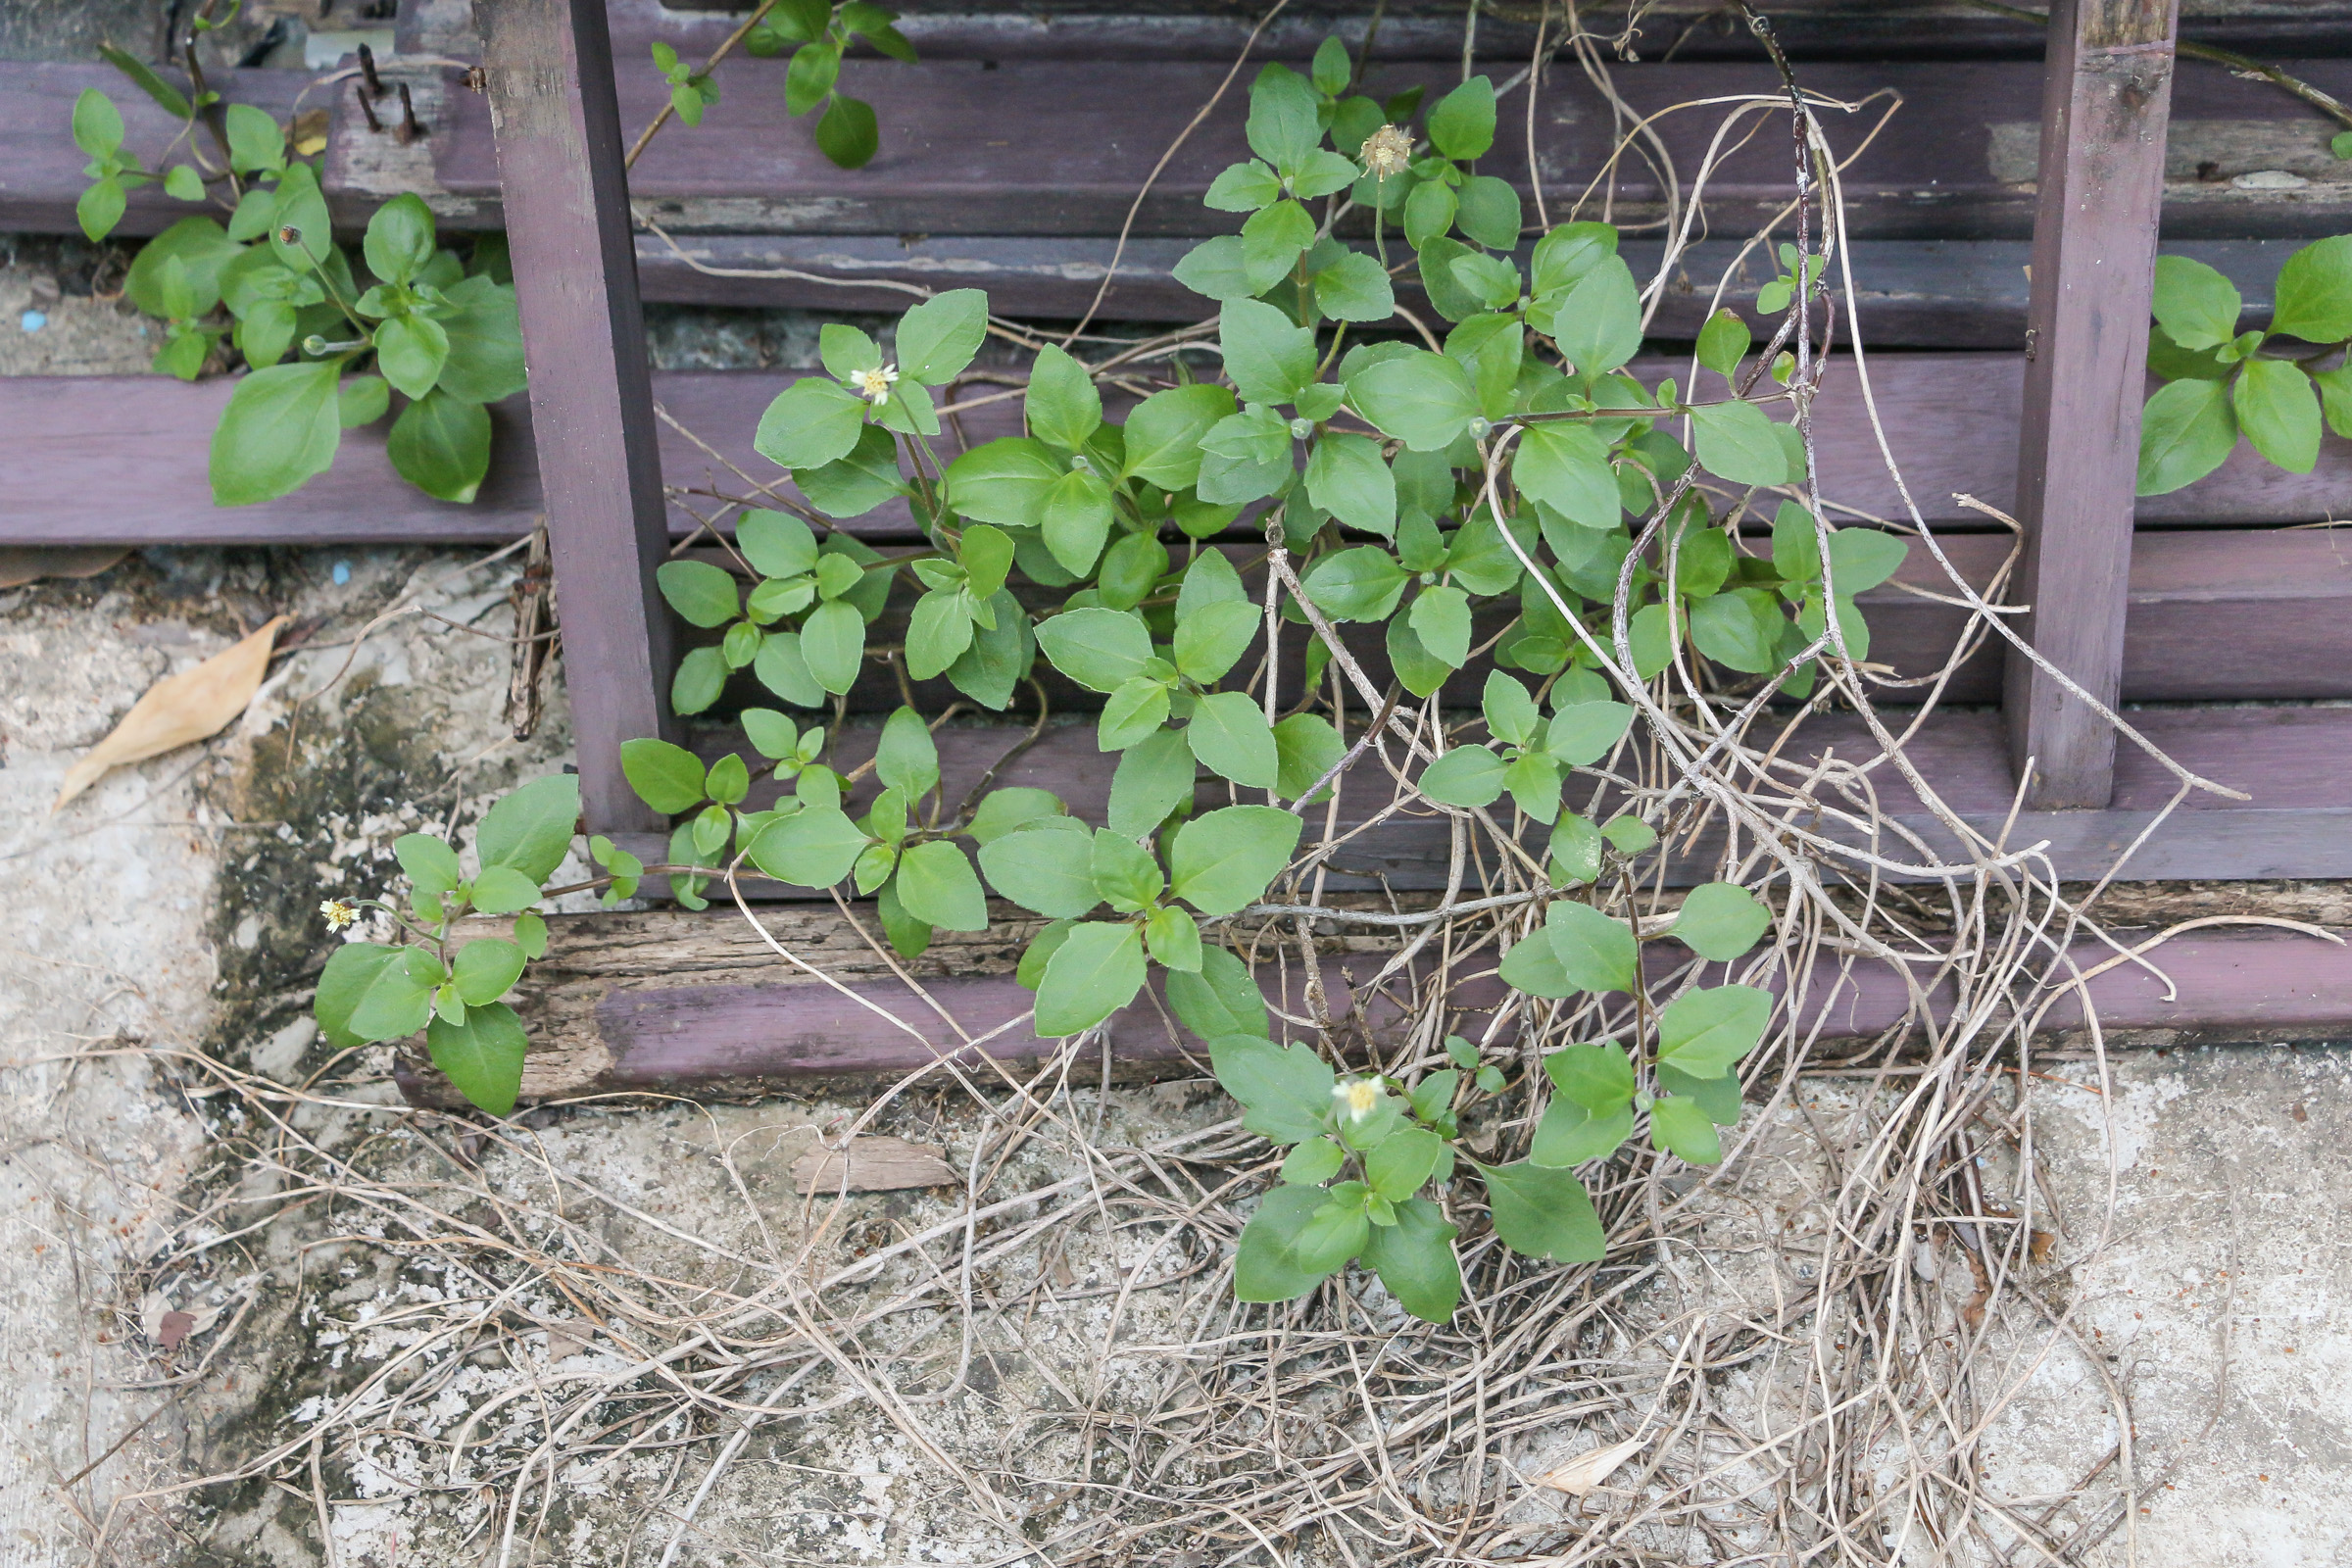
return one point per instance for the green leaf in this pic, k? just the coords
(1314, 1163)
(1486, 210)
(184, 183)
(1416, 668)
(1286, 1088)
(1308, 748)
(1597, 322)
(1462, 124)
(1174, 938)
(906, 758)
(280, 427)
(1424, 400)
(833, 643)
(1567, 469)
(813, 848)
(486, 969)
(431, 864)
(301, 206)
(400, 236)
(936, 885)
(1630, 834)
(1231, 737)
(201, 248)
(937, 338)
(1861, 559)
(1440, 618)
(1598, 1078)
(1285, 121)
(1580, 734)
(1097, 971)
(1062, 404)
(1153, 778)
(2197, 306)
(352, 971)
(1354, 288)
(2186, 433)
(1544, 1212)
(1164, 432)
(812, 422)
(1009, 810)
(1363, 583)
(2279, 410)
(1578, 948)
(783, 670)
(503, 890)
(1723, 342)
(99, 208)
(776, 546)
(1736, 442)
(483, 1057)
(1704, 1032)
(167, 97)
(1414, 1259)
(2313, 297)
(485, 341)
(1210, 638)
(1098, 649)
(1719, 1098)
(1740, 630)
(1403, 1162)
(1244, 187)
(387, 999)
(1223, 860)
(256, 142)
(1045, 869)
(1218, 268)
(848, 134)
(1004, 482)
(1721, 920)
(730, 780)
(855, 485)
(1681, 1127)
(703, 593)
(1570, 1134)
(361, 400)
(1222, 998)
(1245, 458)
(701, 676)
(1267, 356)
(530, 828)
(1267, 1263)
(441, 444)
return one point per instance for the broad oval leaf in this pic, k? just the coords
(1424, 400)
(936, 885)
(812, 422)
(1467, 775)
(1721, 920)
(1544, 1212)
(483, 1057)
(1043, 869)
(1096, 971)
(1220, 999)
(1704, 1032)
(1222, 860)
(1414, 1259)
(530, 828)
(1231, 737)
(2186, 433)
(281, 427)
(937, 338)
(1098, 649)
(813, 848)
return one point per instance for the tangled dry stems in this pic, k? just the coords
(1832, 1412)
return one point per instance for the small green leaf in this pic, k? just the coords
(1307, 747)
(1223, 860)
(809, 423)
(1363, 583)
(1347, 477)
(1314, 1163)
(400, 238)
(1286, 1088)
(833, 644)
(483, 1057)
(353, 972)
(1043, 869)
(1736, 442)
(1466, 776)
(1267, 1264)
(2196, 305)
(1414, 1259)
(1267, 356)
(2313, 297)
(937, 338)
(530, 827)
(486, 969)
(1097, 971)
(441, 444)
(1630, 834)
(848, 134)
(1721, 920)
(906, 758)
(1210, 638)
(1153, 778)
(1164, 432)
(167, 97)
(936, 885)
(1570, 1134)
(1098, 649)
(1174, 939)
(281, 427)
(2186, 433)
(1062, 404)
(1403, 1162)
(703, 593)
(1221, 1000)
(255, 141)
(1704, 1032)
(813, 848)
(1544, 1213)
(1231, 737)
(1463, 124)
(1681, 1127)
(1355, 287)
(2279, 410)
(1723, 342)
(1424, 400)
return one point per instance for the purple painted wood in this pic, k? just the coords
(738, 1039)
(1049, 147)
(560, 149)
(2094, 257)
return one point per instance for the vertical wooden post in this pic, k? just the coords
(549, 74)
(2106, 99)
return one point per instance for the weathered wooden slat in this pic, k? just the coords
(559, 148)
(1043, 147)
(2094, 257)
(1965, 294)
(699, 1004)
(1423, 30)
(121, 460)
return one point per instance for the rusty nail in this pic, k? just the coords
(369, 108)
(375, 83)
(409, 129)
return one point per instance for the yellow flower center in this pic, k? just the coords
(1359, 1096)
(874, 385)
(1387, 151)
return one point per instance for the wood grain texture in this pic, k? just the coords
(121, 460)
(559, 146)
(697, 1004)
(2104, 112)
(1051, 147)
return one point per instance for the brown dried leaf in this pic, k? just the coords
(1586, 1471)
(873, 1166)
(568, 1336)
(24, 563)
(191, 705)
(172, 1328)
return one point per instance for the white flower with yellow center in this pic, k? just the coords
(1387, 151)
(874, 385)
(1357, 1096)
(338, 913)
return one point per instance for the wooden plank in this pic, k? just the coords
(1423, 29)
(1049, 147)
(2094, 259)
(121, 460)
(698, 1005)
(560, 149)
